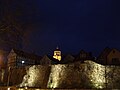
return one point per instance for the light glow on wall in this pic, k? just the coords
(96, 74)
(57, 71)
(76, 75)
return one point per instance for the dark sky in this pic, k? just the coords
(70, 24)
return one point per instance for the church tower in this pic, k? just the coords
(57, 54)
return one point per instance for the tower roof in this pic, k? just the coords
(57, 49)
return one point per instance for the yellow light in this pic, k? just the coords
(57, 55)
(38, 89)
(21, 89)
(26, 87)
(8, 88)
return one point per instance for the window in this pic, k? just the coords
(115, 60)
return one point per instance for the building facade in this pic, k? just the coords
(110, 56)
(17, 58)
(83, 55)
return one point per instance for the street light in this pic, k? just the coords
(23, 62)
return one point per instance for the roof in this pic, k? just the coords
(67, 58)
(55, 61)
(26, 55)
(57, 49)
(105, 52)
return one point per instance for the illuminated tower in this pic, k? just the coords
(57, 54)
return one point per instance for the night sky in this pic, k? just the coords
(72, 25)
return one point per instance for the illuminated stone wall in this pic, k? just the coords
(87, 75)
(37, 76)
(76, 75)
(64, 76)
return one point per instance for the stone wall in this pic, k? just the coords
(75, 75)
(15, 76)
(37, 76)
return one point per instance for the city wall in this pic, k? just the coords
(75, 75)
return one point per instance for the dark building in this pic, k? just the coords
(109, 56)
(45, 60)
(67, 59)
(17, 58)
(83, 55)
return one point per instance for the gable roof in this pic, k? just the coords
(104, 53)
(45, 58)
(88, 55)
(53, 60)
(67, 59)
(57, 49)
(26, 55)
